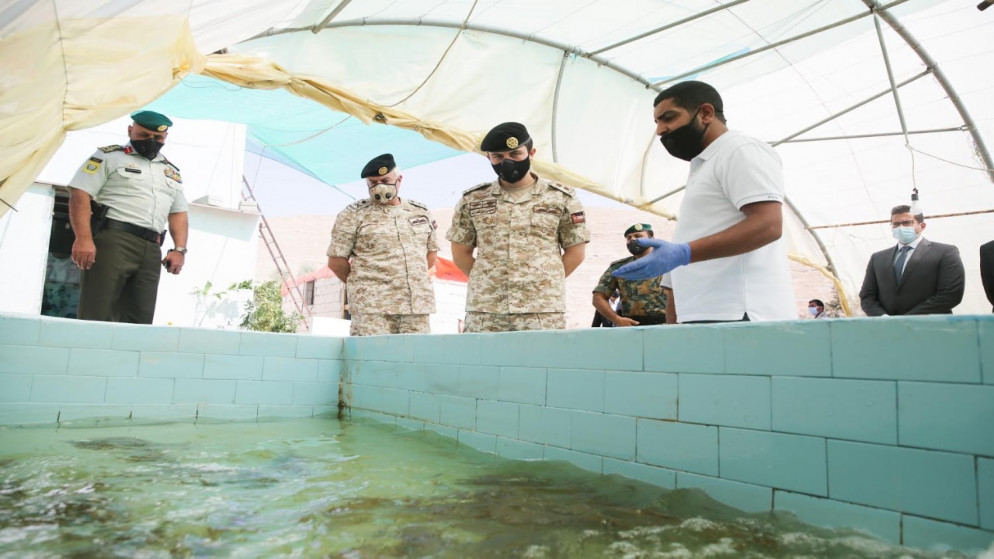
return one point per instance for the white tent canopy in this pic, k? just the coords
(864, 100)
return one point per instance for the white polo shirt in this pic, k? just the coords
(733, 171)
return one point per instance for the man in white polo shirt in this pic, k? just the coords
(727, 257)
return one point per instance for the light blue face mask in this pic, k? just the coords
(813, 311)
(904, 235)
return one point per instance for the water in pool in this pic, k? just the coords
(324, 488)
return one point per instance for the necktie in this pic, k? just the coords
(902, 255)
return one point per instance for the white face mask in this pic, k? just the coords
(813, 311)
(904, 235)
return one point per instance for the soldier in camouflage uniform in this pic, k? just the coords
(643, 302)
(528, 233)
(381, 248)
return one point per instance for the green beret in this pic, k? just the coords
(505, 137)
(638, 227)
(378, 166)
(152, 120)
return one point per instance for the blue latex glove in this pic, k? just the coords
(664, 257)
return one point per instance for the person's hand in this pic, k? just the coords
(625, 321)
(174, 261)
(664, 257)
(84, 253)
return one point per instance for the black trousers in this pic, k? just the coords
(124, 281)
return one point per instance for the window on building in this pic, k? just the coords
(309, 293)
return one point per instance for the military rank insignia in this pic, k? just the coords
(92, 165)
(172, 174)
(512, 142)
(578, 218)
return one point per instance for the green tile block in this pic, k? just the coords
(233, 367)
(394, 348)
(136, 390)
(497, 418)
(523, 385)
(835, 514)
(936, 484)
(549, 426)
(77, 333)
(267, 344)
(279, 412)
(50, 389)
(743, 496)
(424, 406)
(680, 446)
(441, 379)
(793, 462)
(290, 370)
(660, 477)
(651, 395)
(33, 360)
(457, 412)
(17, 330)
(211, 341)
(15, 388)
(262, 392)
(564, 349)
(985, 333)
(204, 391)
(727, 400)
(477, 381)
(410, 424)
(941, 348)
(315, 394)
(519, 450)
(226, 412)
(319, 347)
(329, 370)
(576, 389)
(453, 349)
(13, 414)
(584, 461)
(689, 348)
(954, 417)
(859, 410)
(795, 348)
(174, 365)
(985, 492)
(931, 534)
(603, 434)
(184, 413)
(94, 414)
(145, 338)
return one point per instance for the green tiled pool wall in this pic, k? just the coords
(878, 424)
(59, 371)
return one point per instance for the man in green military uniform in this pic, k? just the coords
(382, 248)
(141, 191)
(528, 234)
(643, 302)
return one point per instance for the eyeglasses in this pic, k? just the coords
(905, 223)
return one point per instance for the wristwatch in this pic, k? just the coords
(181, 250)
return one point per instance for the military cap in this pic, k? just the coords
(152, 120)
(638, 227)
(378, 166)
(505, 137)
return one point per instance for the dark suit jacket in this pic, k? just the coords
(987, 270)
(932, 283)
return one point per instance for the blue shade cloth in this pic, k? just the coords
(327, 145)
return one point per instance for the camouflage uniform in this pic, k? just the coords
(388, 248)
(518, 269)
(638, 297)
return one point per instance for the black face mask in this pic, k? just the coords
(147, 148)
(685, 142)
(512, 171)
(635, 248)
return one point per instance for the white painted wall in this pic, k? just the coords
(24, 238)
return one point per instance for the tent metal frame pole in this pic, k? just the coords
(770, 46)
(940, 76)
(677, 23)
(890, 77)
(555, 107)
(338, 9)
(904, 133)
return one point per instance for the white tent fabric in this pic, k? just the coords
(864, 100)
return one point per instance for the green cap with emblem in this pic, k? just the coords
(505, 137)
(152, 120)
(638, 227)
(379, 166)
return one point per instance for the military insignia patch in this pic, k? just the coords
(637, 226)
(129, 150)
(545, 210)
(92, 165)
(162, 128)
(512, 142)
(483, 207)
(419, 220)
(578, 218)
(172, 174)
(382, 171)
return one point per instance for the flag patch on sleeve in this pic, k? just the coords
(578, 218)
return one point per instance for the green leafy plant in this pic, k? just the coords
(264, 313)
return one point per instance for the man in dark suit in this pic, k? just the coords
(987, 270)
(915, 277)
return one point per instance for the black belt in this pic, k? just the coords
(147, 234)
(649, 319)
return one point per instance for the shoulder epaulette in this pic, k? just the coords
(477, 187)
(108, 149)
(417, 204)
(567, 190)
(358, 205)
(170, 163)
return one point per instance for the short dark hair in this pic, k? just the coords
(906, 209)
(817, 302)
(691, 95)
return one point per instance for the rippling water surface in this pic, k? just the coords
(324, 488)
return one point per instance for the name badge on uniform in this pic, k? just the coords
(483, 207)
(172, 174)
(132, 170)
(419, 220)
(92, 165)
(546, 210)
